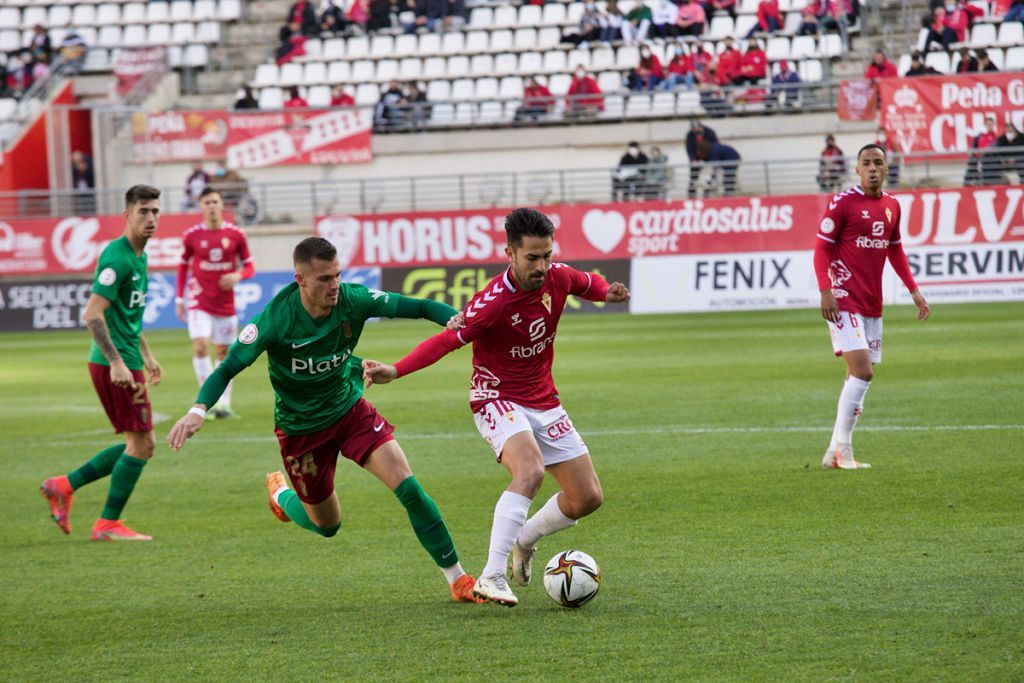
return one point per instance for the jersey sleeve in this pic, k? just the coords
(186, 256)
(481, 313)
(248, 270)
(829, 229)
(586, 285)
(372, 303)
(254, 339)
(111, 272)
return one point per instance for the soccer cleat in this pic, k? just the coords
(844, 459)
(522, 564)
(114, 530)
(495, 589)
(275, 482)
(828, 461)
(462, 590)
(57, 492)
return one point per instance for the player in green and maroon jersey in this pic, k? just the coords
(119, 353)
(309, 331)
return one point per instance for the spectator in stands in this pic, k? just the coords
(697, 135)
(19, 74)
(769, 18)
(701, 59)
(729, 62)
(984, 62)
(341, 98)
(3, 75)
(982, 170)
(40, 68)
(680, 70)
(456, 15)
(753, 66)
(646, 76)
(359, 16)
(295, 99)
(711, 6)
(659, 175)
(291, 43)
(834, 15)
(194, 185)
(785, 82)
(416, 104)
(390, 111)
(589, 28)
(949, 25)
(1016, 12)
(247, 100)
(303, 14)
(332, 17)
(892, 156)
(629, 180)
(584, 97)
(378, 15)
(713, 96)
(537, 102)
(664, 17)
(83, 180)
(831, 167)
(229, 184)
(725, 163)
(918, 67)
(428, 15)
(967, 63)
(691, 19)
(880, 67)
(73, 47)
(611, 22)
(39, 45)
(1011, 155)
(637, 24)
(808, 21)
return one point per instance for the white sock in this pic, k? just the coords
(544, 522)
(452, 573)
(203, 367)
(509, 517)
(276, 495)
(851, 402)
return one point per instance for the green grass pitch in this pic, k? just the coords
(727, 553)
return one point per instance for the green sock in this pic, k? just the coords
(98, 466)
(293, 507)
(122, 482)
(427, 523)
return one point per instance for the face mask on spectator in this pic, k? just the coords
(645, 53)
(634, 151)
(580, 73)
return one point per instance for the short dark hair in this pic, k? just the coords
(525, 221)
(313, 248)
(209, 189)
(872, 145)
(140, 193)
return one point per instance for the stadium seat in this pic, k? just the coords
(439, 91)
(339, 72)
(663, 104)
(577, 58)
(96, 59)
(465, 114)
(559, 84)
(290, 74)
(531, 63)
(195, 56)
(747, 7)
(831, 45)
(778, 48)
(573, 13)
(410, 69)
(627, 56)
(319, 96)
(486, 89)
(938, 61)
(604, 58)
(58, 15)
(405, 45)
(32, 16)
(8, 105)
(1015, 59)
(555, 62)
(314, 73)
(983, 35)
(204, 9)
(720, 27)
(530, 15)
(458, 66)
(903, 65)
(387, 70)
(1010, 33)
(10, 41)
(429, 44)
(638, 105)
(548, 38)
(357, 47)
(433, 67)
(744, 23)
(613, 107)
(230, 10)
(810, 71)
(314, 49)
(453, 43)
(510, 109)
(83, 15)
(491, 112)
(481, 65)
(174, 56)
(271, 98)
(362, 71)
(10, 18)
(481, 18)
(609, 81)
(133, 13)
(462, 89)
(505, 16)
(182, 33)
(134, 36)
(367, 93)
(266, 75)
(441, 114)
(525, 38)
(332, 48)
(155, 12)
(108, 36)
(88, 34)
(501, 41)
(476, 42)
(803, 47)
(792, 23)
(181, 10)
(996, 55)
(381, 46)
(554, 14)
(158, 34)
(506, 63)
(510, 86)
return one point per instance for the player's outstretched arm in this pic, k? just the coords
(188, 425)
(375, 372)
(435, 311)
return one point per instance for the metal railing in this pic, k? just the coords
(296, 202)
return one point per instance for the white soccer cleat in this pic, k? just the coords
(845, 461)
(495, 589)
(828, 461)
(522, 564)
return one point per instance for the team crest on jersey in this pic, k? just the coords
(546, 300)
(888, 215)
(346, 329)
(202, 244)
(248, 334)
(225, 242)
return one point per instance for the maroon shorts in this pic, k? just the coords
(128, 409)
(309, 459)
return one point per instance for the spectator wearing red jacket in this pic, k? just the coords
(880, 67)
(729, 61)
(769, 18)
(537, 101)
(295, 100)
(647, 74)
(340, 98)
(584, 97)
(967, 63)
(680, 70)
(753, 65)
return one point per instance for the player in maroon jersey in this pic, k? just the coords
(512, 324)
(220, 260)
(859, 231)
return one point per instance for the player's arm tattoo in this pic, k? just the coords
(101, 334)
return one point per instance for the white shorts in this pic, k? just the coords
(498, 421)
(219, 330)
(855, 332)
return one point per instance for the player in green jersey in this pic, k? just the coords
(309, 331)
(119, 353)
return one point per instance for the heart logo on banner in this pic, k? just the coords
(604, 229)
(344, 233)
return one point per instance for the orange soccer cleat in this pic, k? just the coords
(275, 482)
(114, 530)
(462, 590)
(58, 492)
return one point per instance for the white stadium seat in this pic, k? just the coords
(481, 65)
(721, 27)
(266, 75)
(196, 55)
(476, 41)
(157, 12)
(530, 63)
(319, 96)
(505, 16)
(181, 10)
(481, 18)
(453, 43)
(381, 46)
(387, 70)
(609, 81)
(208, 32)
(803, 47)
(486, 89)
(511, 86)
(339, 72)
(1011, 33)
(458, 66)
(108, 14)
(434, 67)
(1015, 59)
(462, 89)
(429, 44)
(778, 48)
(109, 36)
(230, 10)
(357, 47)
(983, 35)
(506, 63)
(133, 13)
(134, 36)
(938, 61)
(367, 93)
(204, 9)
(410, 69)
(332, 48)
(554, 14)
(362, 71)
(271, 98)
(314, 73)
(10, 17)
(554, 62)
(405, 45)
(59, 15)
(84, 15)
(182, 33)
(530, 15)
(439, 91)
(525, 38)
(159, 34)
(291, 74)
(548, 37)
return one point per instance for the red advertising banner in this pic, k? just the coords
(72, 245)
(944, 113)
(630, 230)
(336, 136)
(858, 100)
(132, 64)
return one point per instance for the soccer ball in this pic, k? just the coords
(572, 578)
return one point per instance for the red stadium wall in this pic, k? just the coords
(26, 165)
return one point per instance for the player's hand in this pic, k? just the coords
(923, 309)
(617, 293)
(179, 310)
(829, 306)
(183, 429)
(375, 372)
(456, 322)
(121, 376)
(229, 281)
(156, 373)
